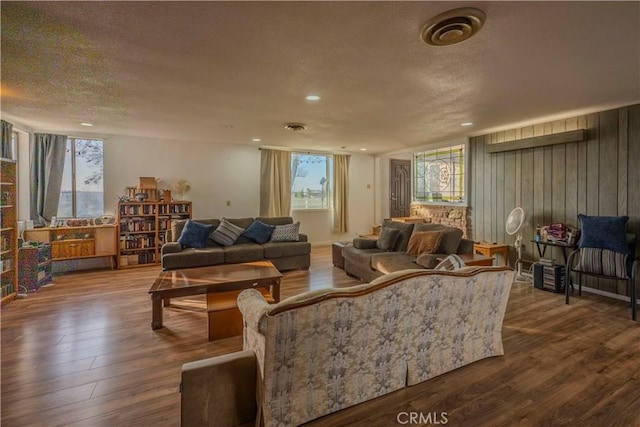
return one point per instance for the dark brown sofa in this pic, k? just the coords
(366, 261)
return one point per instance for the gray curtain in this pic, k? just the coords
(341, 193)
(47, 164)
(6, 148)
(275, 183)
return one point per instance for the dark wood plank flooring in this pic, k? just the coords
(82, 353)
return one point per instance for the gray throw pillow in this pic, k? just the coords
(226, 234)
(387, 239)
(286, 233)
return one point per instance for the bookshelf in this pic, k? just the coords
(142, 230)
(35, 266)
(8, 231)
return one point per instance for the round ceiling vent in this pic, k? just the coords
(295, 127)
(453, 26)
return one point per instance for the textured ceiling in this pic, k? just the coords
(227, 72)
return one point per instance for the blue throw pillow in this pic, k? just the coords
(259, 232)
(195, 234)
(604, 232)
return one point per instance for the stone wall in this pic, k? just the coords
(453, 216)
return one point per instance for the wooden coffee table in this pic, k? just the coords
(220, 279)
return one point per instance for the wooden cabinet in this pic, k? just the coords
(70, 243)
(8, 231)
(142, 230)
(35, 266)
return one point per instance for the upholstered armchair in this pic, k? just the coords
(607, 251)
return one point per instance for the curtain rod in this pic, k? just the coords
(302, 151)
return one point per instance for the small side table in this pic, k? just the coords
(476, 260)
(564, 246)
(490, 249)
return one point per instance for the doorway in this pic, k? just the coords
(399, 188)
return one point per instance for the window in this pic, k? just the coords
(82, 193)
(439, 175)
(311, 186)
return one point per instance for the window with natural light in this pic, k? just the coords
(439, 175)
(311, 186)
(82, 193)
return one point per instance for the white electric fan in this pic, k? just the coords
(515, 221)
(181, 188)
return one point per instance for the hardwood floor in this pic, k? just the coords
(82, 353)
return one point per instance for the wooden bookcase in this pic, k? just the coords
(35, 266)
(143, 227)
(8, 230)
(72, 243)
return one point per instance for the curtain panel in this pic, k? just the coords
(6, 148)
(275, 183)
(341, 193)
(46, 167)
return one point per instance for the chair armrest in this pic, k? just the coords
(219, 391)
(362, 243)
(170, 248)
(303, 237)
(253, 307)
(570, 262)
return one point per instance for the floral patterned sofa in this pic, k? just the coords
(326, 350)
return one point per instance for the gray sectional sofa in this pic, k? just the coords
(366, 261)
(284, 255)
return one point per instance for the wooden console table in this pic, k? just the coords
(70, 243)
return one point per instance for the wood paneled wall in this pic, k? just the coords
(598, 176)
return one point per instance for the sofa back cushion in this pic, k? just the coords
(387, 239)
(276, 220)
(450, 239)
(405, 233)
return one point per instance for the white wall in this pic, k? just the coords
(220, 172)
(217, 172)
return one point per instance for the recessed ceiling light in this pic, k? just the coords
(363, 149)
(86, 124)
(256, 139)
(466, 124)
(313, 98)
